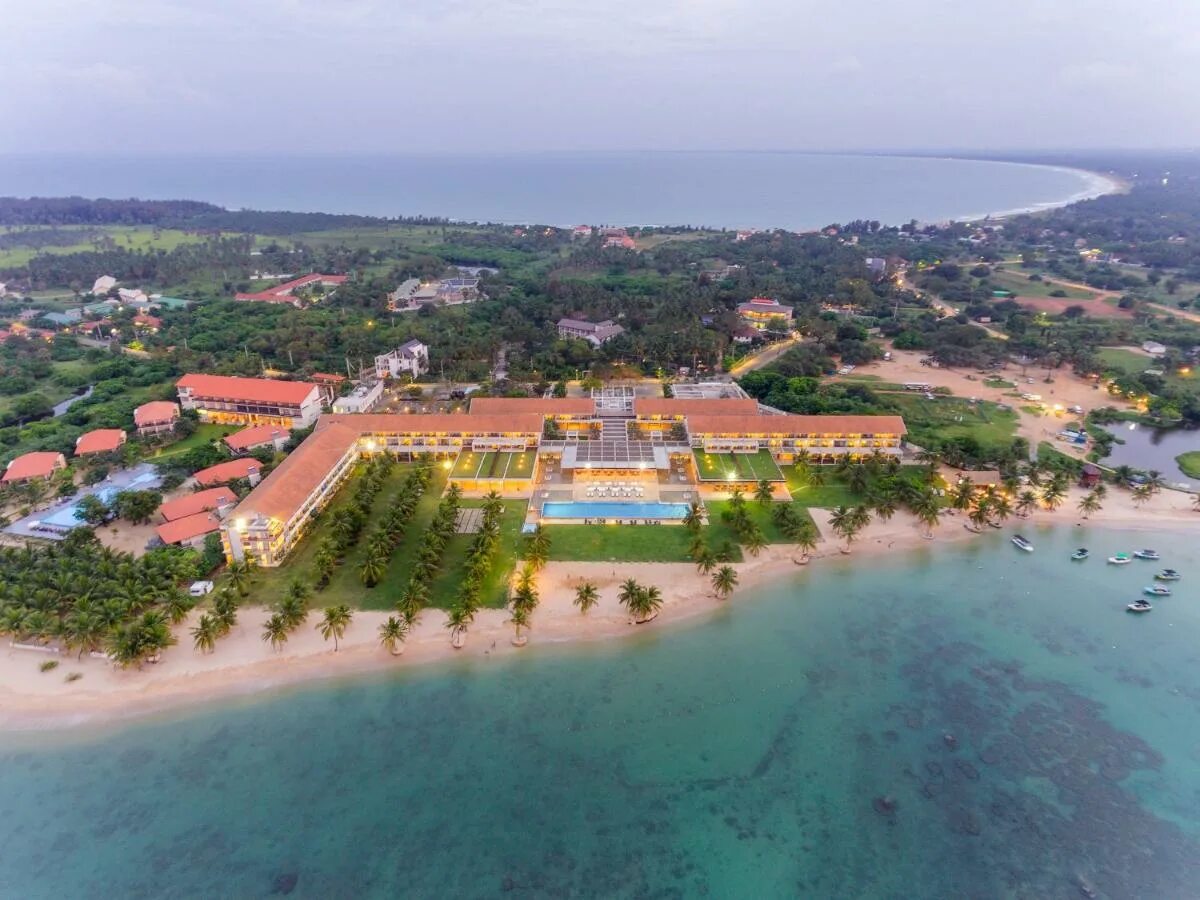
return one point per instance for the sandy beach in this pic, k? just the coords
(242, 663)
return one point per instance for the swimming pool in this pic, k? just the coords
(576, 509)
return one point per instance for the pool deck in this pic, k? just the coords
(139, 477)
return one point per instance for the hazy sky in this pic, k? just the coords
(314, 76)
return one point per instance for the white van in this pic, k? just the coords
(200, 588)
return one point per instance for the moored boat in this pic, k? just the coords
(1157, 590)
(1121, 559)
(1168, 575)
(1081, 553)
(1022, 544)
(1146, 553)
(1139, 606)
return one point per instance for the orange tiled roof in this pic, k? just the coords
(556, 406)
(281, 493)
(255, 436)
(34, 465)
(250, 390)
(201, 501)
(188, 527)
(227, 471)
(787, 425)
(156, 412)
(669, 406)
(433, 423)
(102, 440)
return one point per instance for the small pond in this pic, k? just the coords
(1153, 448)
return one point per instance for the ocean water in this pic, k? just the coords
(969, 721)
(735, 190)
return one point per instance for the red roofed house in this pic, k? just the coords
(220, 499)
(102, 440)
(156, 417)
(223, 473)
(759, 311)
(283, 293)
(251, 401)
(28, 466)
(190, 531)
(147, 323)
(257, 436)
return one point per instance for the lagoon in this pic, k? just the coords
(1153, 448)
(966, 721)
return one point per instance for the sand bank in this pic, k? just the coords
(242, 663)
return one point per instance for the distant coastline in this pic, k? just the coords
(1098, 184)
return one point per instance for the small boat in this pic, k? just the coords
(1022, 544)
(995, 525)
(1168, 575)
(1121, 559)
(1081, 553)
(1139, 606)
(1157, 590)
(1146, 554)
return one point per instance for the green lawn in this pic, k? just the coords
(1189, 463)
(743, 466)
(472, 465)
(619, 543)
(494, 593)
(719, 532)
(950, 417)
(124, 238)
(204, 434)
(1020, 285)
(1122, 360)
(832, 493)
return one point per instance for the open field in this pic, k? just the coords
(475, 466)
(98, 237)
(737, 466)
(759, 514)
(951, 417)
(1019, 284)
(204, 434)
(1133, 362)
(619, 543)
(1036, 295)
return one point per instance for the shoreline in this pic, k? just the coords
(243, 666)
(1098, 184)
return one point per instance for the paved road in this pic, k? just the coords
(763, 357)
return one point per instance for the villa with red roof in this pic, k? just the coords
(219, 499)
(229, 399)
(257, 436)
(223, 473)
(190, 531)
(102, 440)
(156, 417)
(29, 466)
(759, 311)
(284, 293)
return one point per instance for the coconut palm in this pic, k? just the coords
(628, 593)
(206, 632)
(962, 495)
(276, 631)
(1155, 481)
(858, 479)
(1142, 494)
(293, 611)
(647, 603)
(755, 541)
(693, 520)
(764, 493)
(392, 634)
(847, 522)
(806, 538)
(374, 566)
(333, 623)
(1089, 504)
(980, 514)
(240, 576)
(519, 618)
(816, 478)
(458, 619)
(724, 580)
(1001, 508)
(1053, 495)
(586, 596)
(1027, 502)
(706, 560)
(538, 548)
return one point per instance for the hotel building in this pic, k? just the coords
(569, 456)
(227, 399)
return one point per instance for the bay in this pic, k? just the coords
(959, 721)
(734, 190)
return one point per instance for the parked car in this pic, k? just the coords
(200, 588)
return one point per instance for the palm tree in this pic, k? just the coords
(724, 580)
(816, 478)
(1196, 502)
(519, 619)
(859, 478)
(392, 634)
(586, 596)
(1053, 495)
(1089, 504)
(763, 492)
(962, 495)
(1141, 494)
(980, 514)
(628, 593)
(492, 503)
(334, 623)
(293, 611)
(1027, 502)
(806, 539)
(706, 560)
(538, 550)
(928, 511)
(276, 631)
(755, 541)
(647, 603)
(457, 620)
(240, 575)
(205, 633)
(693, 519)
(1155, 481)
(848, 522)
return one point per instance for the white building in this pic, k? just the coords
(104, 284)
(362, 399)
(1154, 348)
(595, 333)
(410, 358)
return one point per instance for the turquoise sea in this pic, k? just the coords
(969, 721)
(732, 190)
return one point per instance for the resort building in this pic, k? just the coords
(256, 436)
(286, 292)
(31, 466)
(364, 398)
(190, 531)
(103, 285)
(156, 417)
(228, 399)
(763, 311)
(101, 440)
(611, 457)
(595, 333)
(222, 473)
(218, 499)
(410, 358)
(413, 293)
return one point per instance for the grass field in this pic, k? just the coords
(1189, 463)
(1122, 360)
(719, 532)
(125, 238)
(473, 466)
(950, 417)
(741, 466)
(1019, 284)
(204, 434)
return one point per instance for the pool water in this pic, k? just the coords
(575, 509)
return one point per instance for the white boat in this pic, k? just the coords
(1157, 590)
(1146, 554)
(1081, 553)
(1168, 575)
(1139, 606)
(1121, 559)
(1022, 544)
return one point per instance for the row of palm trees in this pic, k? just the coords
(390, 530)
(480, 556)
(347, 523)
(85, 597)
